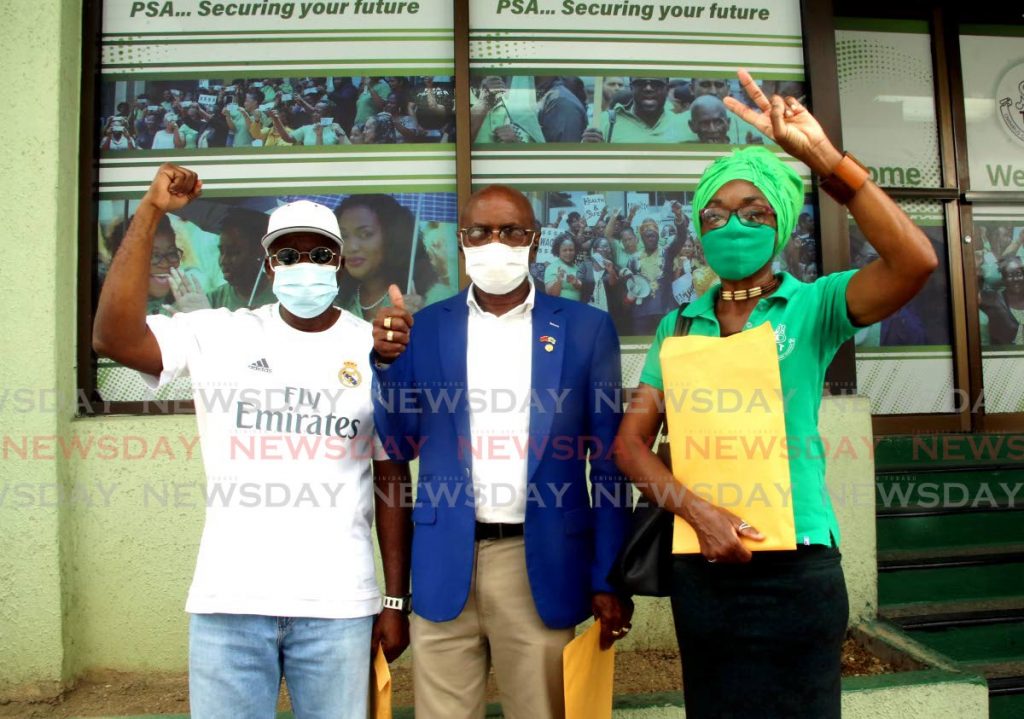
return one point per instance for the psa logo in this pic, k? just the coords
(1010, 99)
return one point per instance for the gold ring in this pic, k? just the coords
(387, 323)
(391, 335)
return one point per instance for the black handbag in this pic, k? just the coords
(644, 565)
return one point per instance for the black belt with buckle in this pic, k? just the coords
(496, 530)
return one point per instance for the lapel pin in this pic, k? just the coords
(549, 343)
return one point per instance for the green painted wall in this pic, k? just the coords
(136, 538)
(40, 50)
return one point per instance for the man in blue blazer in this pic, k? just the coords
(503, 393)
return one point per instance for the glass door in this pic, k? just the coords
(992, 64)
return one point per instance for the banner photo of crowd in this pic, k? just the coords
(635, 254)
(920, 322)
(189, 115)
(209, 256)
(999, 261)
(613, 109)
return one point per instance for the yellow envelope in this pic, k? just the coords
(589, 674)
(727, 431)
(380, 687)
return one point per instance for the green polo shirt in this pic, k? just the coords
(630, 128)
(810, 322)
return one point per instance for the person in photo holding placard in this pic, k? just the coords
(761, 633)
(561, 278)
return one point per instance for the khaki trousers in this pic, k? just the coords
(499, 626)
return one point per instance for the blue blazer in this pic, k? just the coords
(421, 409)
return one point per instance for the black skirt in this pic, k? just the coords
(764, 639)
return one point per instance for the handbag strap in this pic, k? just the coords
(682, 329)
(683, 322)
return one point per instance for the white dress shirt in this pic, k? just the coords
(499, 358)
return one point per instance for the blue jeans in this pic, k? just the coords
(236, 662)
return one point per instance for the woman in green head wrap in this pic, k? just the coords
(761, 632)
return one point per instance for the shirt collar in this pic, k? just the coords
(522, 309)
(705, 304)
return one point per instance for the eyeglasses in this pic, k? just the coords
(170, 257)
(653, 82)
(712, 218)
(511, 235)
(290, 256)
(712, 84)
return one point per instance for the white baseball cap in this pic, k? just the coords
(303, 216)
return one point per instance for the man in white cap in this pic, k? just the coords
(284, 584)
(169, 138)
(115, 138)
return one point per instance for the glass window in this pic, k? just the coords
(999, 259)
(993, 70)
(887, 100)
(905, 362)
(267, 114)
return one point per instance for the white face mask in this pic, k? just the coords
(306, 289)
(496, 268)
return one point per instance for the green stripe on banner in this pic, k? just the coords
(142, 159)
(435, 149)
(660, 41)
(879, 25)
(313, 178)
(207, 161)
(944, 350)
(243, 40)
(479, 182)
(250, 70)
(576, 175)
(701, 151)
(478, 67)
(354, 31)
(564, 62)
(288, 63)
(903, 358)
(261, 154)
(360, 189)
(992, 30)
(499, 33)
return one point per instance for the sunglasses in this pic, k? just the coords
(653, 82)
(511, 235)
(289, 256)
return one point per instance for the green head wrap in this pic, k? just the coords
(764, 170)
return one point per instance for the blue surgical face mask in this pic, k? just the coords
(306, 289)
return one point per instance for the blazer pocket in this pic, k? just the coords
(578, 521)
(424, 514)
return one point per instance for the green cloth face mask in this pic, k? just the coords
(736, 250)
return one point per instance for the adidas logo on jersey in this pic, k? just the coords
(261, 365)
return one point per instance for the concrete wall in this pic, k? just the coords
(40, 47)
(845, 426)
